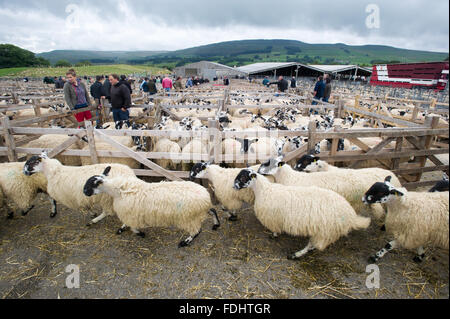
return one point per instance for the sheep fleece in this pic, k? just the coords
(319, 213)
(138, 204)
(419, 219)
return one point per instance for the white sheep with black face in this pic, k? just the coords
(65, 183)
(318, 213)
(19, 189)
(415, 219)
(351, 184)
(139, 205)
(222, 181)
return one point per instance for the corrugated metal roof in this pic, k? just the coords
(265, 66)
(335, 68)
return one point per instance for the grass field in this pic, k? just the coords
(81, 71)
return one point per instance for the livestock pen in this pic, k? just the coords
(238, 261)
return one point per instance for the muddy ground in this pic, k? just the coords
(237, 261)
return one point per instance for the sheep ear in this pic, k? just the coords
(44, 154)
(388, 179)
(107, 170)
(253, 175)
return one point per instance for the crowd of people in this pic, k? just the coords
(116, 89)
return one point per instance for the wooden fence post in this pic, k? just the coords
(311, 136)
(398, 148)
(37, 108)
(335, 143)
(431, 122)
(215, 151)
(91, 140)
(9, 140)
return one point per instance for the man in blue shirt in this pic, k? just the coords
(319, 90)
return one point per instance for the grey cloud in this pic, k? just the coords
(415, 24)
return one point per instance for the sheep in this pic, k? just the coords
(197, 147)
(441, 186)
(321, 214)
(65, 183)
(20, 189)
(167, 146)
(105, 146)
(139, 204)
(351, 184)
(266, 147)
(50, 141)
(222, 180)
(414, 219)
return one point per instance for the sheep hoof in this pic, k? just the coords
(232, 218)
(10, 215)
(182, 244)
(120, 231)
(418, 259)
(292, 257)
(272, 236)
(24, 213)
(373, 259)
(141, 234)
(215, 227)
(383, 228)
(53, 215)
(88, 224)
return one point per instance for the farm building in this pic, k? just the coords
(302, 70)
(207, 70)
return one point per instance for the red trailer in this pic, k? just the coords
(433, 75)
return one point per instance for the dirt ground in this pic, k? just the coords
(237, 261)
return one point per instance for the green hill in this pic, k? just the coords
(250, 51)
(96, 57)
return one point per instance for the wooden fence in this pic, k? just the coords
(413, 140)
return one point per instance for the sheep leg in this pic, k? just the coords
(420, 255)
(380, 254)
(97, 219)
(25, 212)
(216, 221)
(231, 215)
(54, 208)
(188, 240)
(302, 252)
(122, 229)
(10, 215)
(273, 236)
(138, 232)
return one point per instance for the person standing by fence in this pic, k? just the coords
(77, 96)
(178, 86)
(106, 89)
(318, 90)
(120, 100)
(96, 93)
(167, 84)
(144, 86)
(327, 91)
(282, 84)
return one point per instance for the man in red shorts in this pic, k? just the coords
(77, 96)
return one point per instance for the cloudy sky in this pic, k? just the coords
(45, 25)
